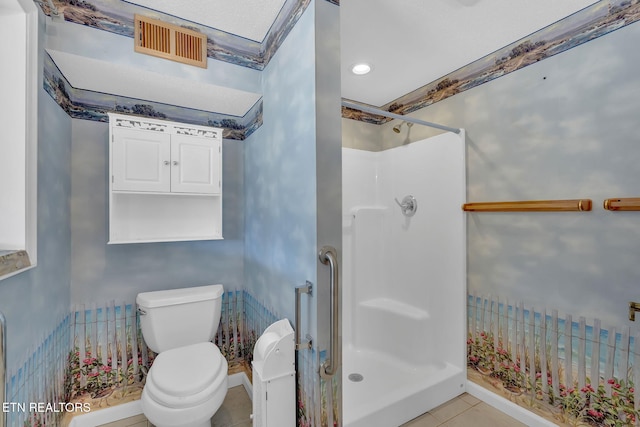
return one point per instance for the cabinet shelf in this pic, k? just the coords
(164, 239)
(157, 193)
(165, 181)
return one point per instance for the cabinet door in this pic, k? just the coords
(195, 165)
(141, 160)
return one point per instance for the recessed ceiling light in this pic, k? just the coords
(360, 69)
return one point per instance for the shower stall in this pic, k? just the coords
(404, 280)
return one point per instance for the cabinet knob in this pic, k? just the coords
(166, 162)
(175, 163)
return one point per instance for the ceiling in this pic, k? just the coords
(250, 19)
(408, 43)
(411, 43)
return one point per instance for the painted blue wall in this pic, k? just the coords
(280, 176)
(563, 128)
(75, 264)
(35, 301)
(101, 272)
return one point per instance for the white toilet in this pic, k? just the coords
(188, 379)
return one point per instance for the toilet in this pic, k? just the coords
(188, 379)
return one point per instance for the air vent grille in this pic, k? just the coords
(168, 41)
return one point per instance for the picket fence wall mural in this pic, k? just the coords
(96, 356)
(566, 370)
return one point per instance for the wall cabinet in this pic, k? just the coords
(165, 181)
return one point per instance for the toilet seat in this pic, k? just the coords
(186, 376)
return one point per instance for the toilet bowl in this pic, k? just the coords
(185, 386)
(187, 382)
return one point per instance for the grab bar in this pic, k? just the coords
(330, 366)
(306, 289)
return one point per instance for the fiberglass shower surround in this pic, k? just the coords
(403, 280)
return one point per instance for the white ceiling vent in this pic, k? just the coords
(169, 41)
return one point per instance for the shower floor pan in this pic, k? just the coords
(387, 392)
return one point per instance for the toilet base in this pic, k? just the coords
(161, 416)
(203, 424)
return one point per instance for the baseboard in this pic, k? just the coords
(503, 405)
(131, 409)
(241, 379)
(107, 415)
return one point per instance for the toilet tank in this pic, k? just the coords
(179, 317)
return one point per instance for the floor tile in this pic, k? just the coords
(426, 420)
(137, 421)
(235, 410)
(471, 400)
(448, 410)
(482, 415)
(462, 411)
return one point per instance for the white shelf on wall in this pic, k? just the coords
(156, 193)
(165, 181)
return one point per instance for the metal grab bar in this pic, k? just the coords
(328, 255)
(306, 289)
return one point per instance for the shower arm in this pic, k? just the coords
(379, 112)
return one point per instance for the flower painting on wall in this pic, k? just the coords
(570, 373)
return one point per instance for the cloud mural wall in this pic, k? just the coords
(563, 128)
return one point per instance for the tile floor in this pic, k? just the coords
(463, 411)
(234, 412)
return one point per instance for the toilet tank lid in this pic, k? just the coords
(179, 296)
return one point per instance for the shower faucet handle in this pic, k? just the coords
(409, 205)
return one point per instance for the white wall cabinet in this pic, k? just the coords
(165, 181)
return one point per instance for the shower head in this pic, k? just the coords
(397, 127)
